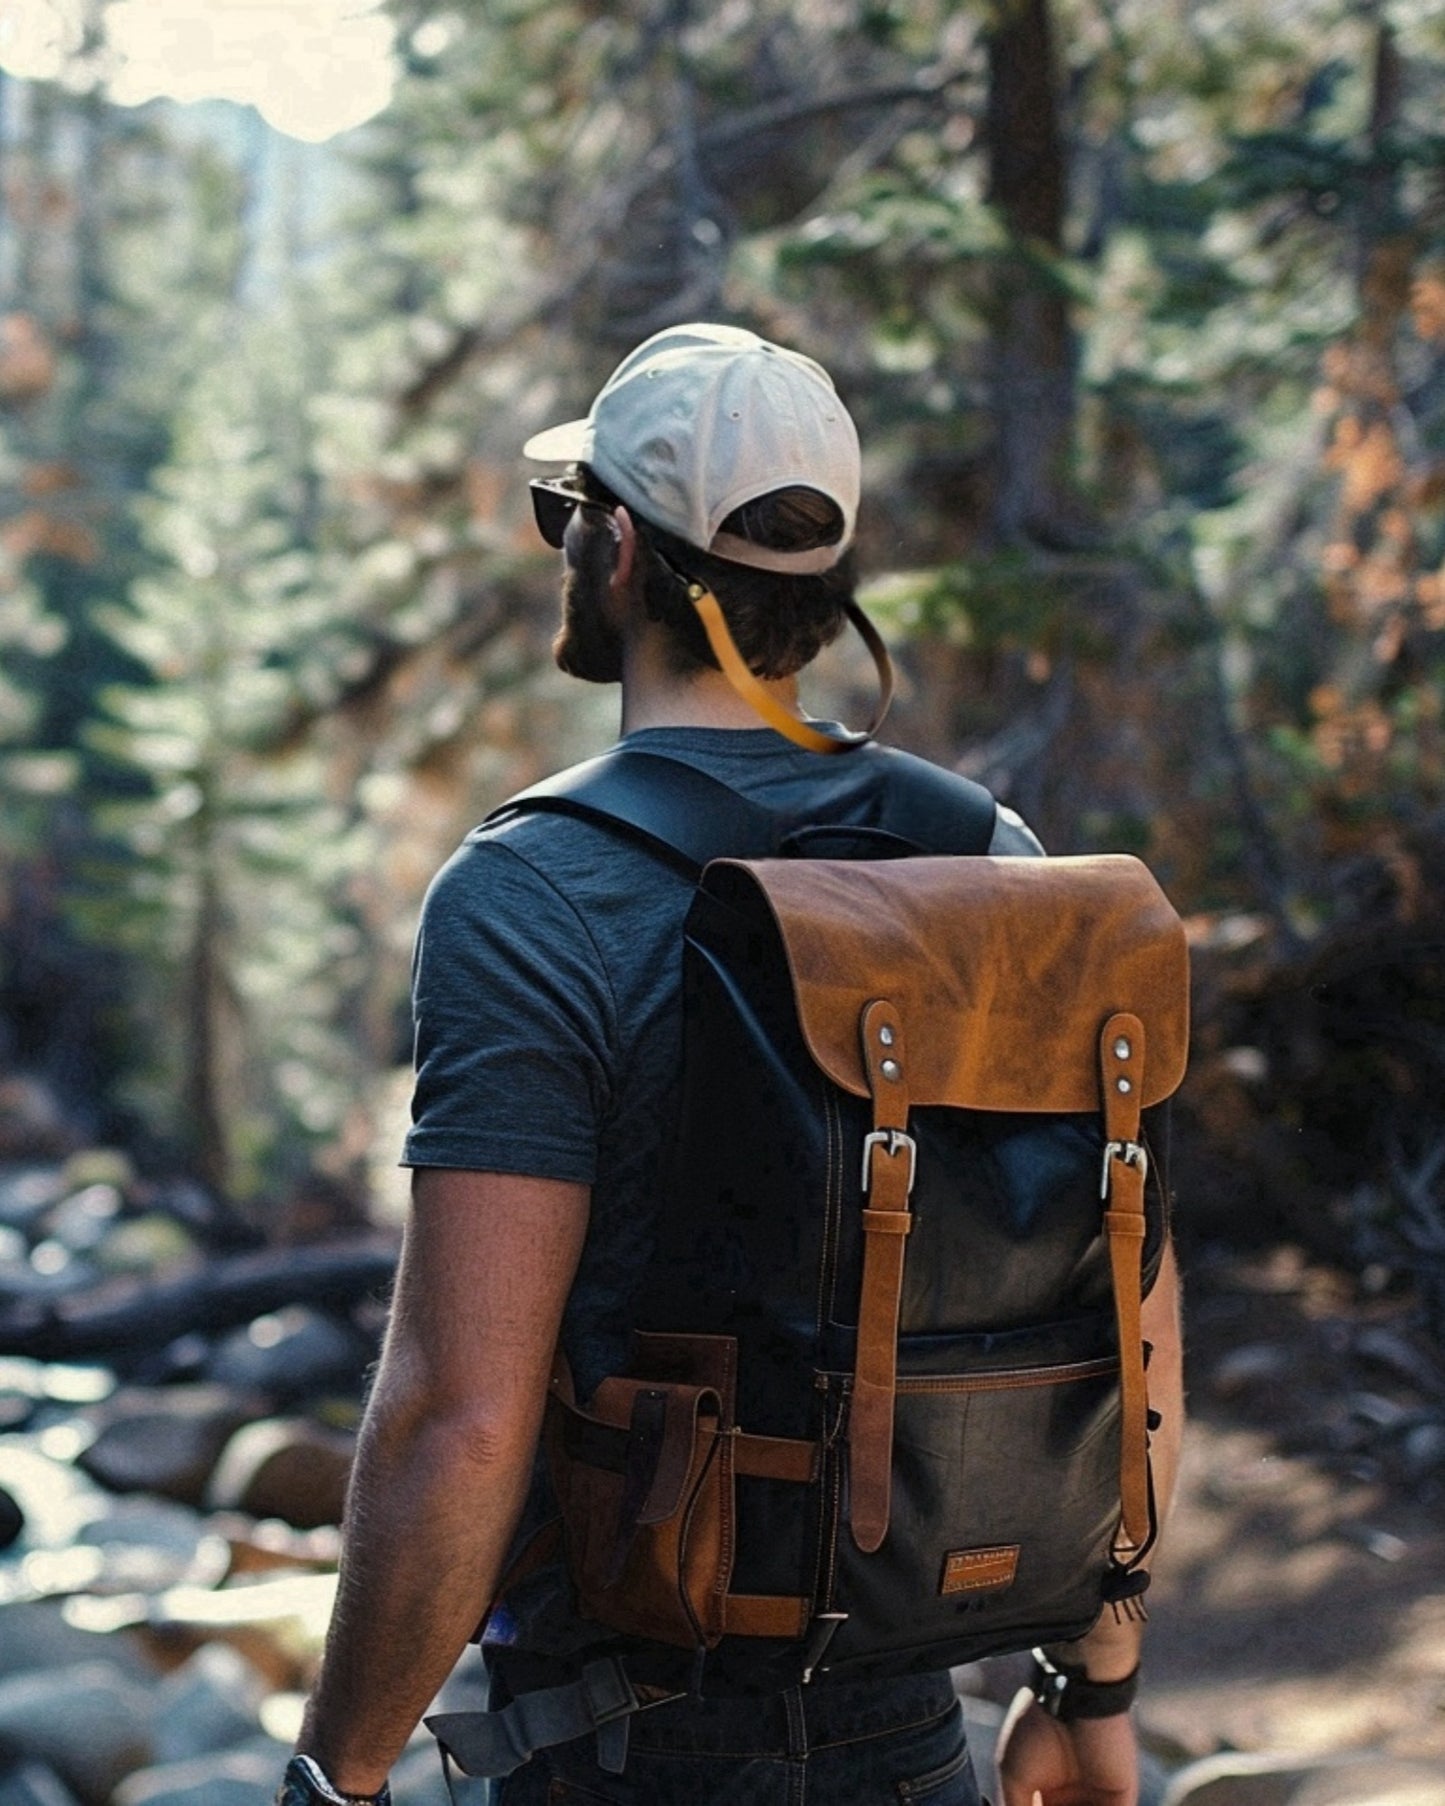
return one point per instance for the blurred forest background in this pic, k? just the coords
(1140, 306)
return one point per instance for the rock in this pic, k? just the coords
(284, 1468)
(12, 1519)
(27, 1192)
(164, 1439)
(32, 1123)
(33, 1784)
(214, 1223)
(241, 1777)
(211, 1703)
(82, 1219)
(35, 1635)
(92, 1724)
(1235, 1779)
(98, 1166)
(146, 1545)
(292, 1354)
(417, 1778)
(1387, 1348)
(1243, 1369)
(1424, 1450)
(58, 1502)
(144, 1244)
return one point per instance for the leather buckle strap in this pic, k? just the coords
(1126, 1166)
(888, 1180)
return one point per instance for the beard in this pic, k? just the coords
(587, 645)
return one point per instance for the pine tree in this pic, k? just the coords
(228, 885)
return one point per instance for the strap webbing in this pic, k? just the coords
(677, 810)
(687, 817)
(492, 1744)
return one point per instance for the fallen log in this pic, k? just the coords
(128, 1317)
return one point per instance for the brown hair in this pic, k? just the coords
(780, 622)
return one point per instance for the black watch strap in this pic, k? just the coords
(305, 1783)
(1065, 1691)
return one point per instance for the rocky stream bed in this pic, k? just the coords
(177, 1411)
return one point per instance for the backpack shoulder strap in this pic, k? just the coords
(665, 804)
(687, 817)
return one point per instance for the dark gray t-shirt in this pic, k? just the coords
(547, 998)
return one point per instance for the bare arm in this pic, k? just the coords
(445, 1453)
(1094, 1762)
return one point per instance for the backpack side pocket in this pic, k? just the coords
(644, 1480)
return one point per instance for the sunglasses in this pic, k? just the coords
(554, 502)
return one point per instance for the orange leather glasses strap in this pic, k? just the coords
(756, 694)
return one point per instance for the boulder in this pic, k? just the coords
(143, 1245)
(12, 1518)
(92, 1724)
(417, 1779)
(241, 1777)
(33, 1784)
(292, 1354)
(163, 1440)
(36, 1635)
(213, 1702)
(284, 1468)
(1281, 1779)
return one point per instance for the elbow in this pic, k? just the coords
(466, 1437)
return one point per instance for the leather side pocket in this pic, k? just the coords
(644, 1480)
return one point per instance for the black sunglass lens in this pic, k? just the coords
(552, 512)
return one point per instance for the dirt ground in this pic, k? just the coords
(1299, 1603)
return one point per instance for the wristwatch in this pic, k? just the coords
(305, 1783)
(1065, 1691)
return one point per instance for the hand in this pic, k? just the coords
(1091, 1762)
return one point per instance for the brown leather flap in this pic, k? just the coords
(1003, 970)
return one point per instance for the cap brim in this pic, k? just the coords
(569, 443)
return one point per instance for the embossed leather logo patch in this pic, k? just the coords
(980, 1570)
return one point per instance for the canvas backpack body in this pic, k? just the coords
(886, 1408)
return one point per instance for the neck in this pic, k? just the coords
(655, 696)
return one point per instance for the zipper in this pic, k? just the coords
(1006, 1378)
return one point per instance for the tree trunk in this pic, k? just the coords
(1033, 362)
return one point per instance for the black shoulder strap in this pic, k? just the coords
(688, 818)
(670, 806)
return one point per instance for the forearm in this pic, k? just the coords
(431, 1512)
(445, 1453)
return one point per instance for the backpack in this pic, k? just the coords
(886, 1409)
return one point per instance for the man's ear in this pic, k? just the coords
(625, 535)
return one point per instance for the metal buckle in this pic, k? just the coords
(1132, 1153)
(892, 1140)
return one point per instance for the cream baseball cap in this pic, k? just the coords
(700, 419)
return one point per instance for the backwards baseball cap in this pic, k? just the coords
(699, 420)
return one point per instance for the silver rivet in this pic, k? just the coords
(1122, 1049)
(885, 1035)
(890, 1069)
(1125, 1085)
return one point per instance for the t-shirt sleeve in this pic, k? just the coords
(1013, 837)
(515, 1023)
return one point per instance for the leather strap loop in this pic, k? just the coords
(1121, 1072)
(886, 1220)
(761, 699)
(765, 1615)
(775, 1458)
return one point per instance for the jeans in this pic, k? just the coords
(845, 1743)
